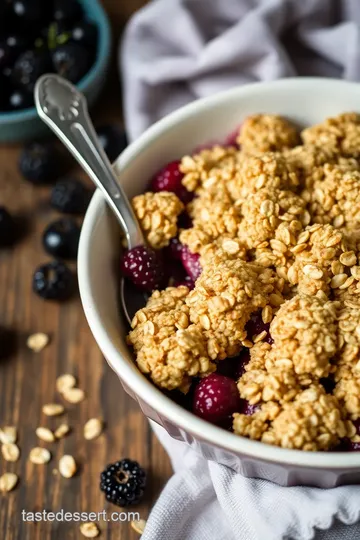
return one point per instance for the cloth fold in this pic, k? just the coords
(175, 51)
(207, 501)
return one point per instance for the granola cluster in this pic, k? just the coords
(277, 226)
(169, 347)
(266, 132)
(157, 214)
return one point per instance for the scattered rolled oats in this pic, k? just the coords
(39, 456)
(8, 482)
(61, 431)
(37, 342)
(139, 525)
(8, 434)
(74, 395)
(89, 530)
(53, 409)
(65, 382)
(45, 434)
(67, 466)
(93, 428)
(10, 452)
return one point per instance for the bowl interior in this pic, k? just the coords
(305, 101)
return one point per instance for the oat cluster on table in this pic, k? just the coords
(276, 222)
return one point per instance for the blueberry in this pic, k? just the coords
(113, 140)
(61, 239)
(70, 196)
(29, 67)
(71, 61)
(39, 163)
(4, 93)
(17, 43)
(7, 228)
(67, 10)
(85, 33)
(29, 14)
(6, 55)
(20, 99)
(53, 281)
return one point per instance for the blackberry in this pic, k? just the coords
(123, 482)
(61, 238)
(70, 196)
(53, 281)
(7, 228)
(67, 11)
(39, 163)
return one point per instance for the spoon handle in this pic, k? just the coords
(64, 109)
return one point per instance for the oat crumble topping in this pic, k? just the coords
(266, 132)
(277, 226)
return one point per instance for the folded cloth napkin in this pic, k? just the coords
(173, 52)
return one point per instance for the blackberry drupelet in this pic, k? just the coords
(123, 482)
(53, 281)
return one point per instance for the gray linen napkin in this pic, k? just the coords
(175, 51)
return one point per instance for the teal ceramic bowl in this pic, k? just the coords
(23, 125)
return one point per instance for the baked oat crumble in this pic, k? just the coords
(276, 225)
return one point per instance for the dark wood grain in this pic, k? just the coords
(27, 380)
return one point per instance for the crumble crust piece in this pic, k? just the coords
(157, 214)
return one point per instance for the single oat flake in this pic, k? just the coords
(74, 395)
(10, 452)
(39, 456)
(93, 428)
(8, 482)
(45, 434)
(67, 466)
(65, 382)
(61, 431)
(139, 525)
(53, 409)
(37, 342)
(8, 434)
(89, 530)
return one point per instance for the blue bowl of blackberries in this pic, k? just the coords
(68, 37)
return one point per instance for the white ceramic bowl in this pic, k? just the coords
(305, 101)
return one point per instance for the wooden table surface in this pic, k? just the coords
(27, 379)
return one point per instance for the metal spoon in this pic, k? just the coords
(64, 109)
